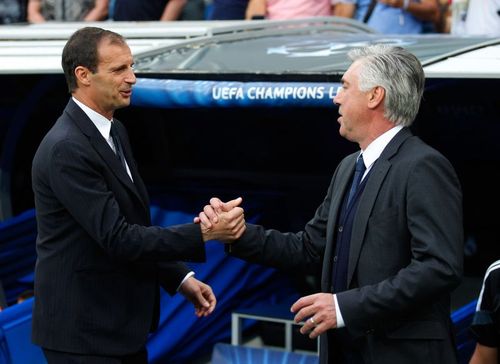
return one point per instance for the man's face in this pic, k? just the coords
(111, 85)
(352, 106)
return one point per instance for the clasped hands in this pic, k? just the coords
(224, 221)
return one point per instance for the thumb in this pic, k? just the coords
(232, 204)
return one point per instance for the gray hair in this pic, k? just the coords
(401, 75)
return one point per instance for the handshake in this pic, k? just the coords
(224, 221)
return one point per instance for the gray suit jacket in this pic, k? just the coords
(99, 262)
(406, 253)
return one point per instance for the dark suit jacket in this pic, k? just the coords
(406, 253)
(99, 261)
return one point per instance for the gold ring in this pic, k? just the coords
(312, 321)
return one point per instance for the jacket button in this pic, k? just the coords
(335, 259)
(369, 331)
(341, 228)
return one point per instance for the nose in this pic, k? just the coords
(131, 77)
(336, 98)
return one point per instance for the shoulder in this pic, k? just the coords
(415, 150)
(423, 166)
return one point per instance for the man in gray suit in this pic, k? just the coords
(100, 262)
(388, 234)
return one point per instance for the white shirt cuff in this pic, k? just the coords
(340, 319)
(190, 274)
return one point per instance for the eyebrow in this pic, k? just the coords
(118, 68)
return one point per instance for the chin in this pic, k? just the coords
(123, 104)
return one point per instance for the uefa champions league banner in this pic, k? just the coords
(191, 94)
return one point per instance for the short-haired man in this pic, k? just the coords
(388, 234)
(100, 262)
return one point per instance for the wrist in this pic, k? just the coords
(189, 275)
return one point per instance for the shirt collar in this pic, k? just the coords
(102, 123)
(375, 148)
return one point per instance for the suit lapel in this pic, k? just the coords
(369, 196)
(103, 149)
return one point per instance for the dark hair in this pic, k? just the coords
(82, 50)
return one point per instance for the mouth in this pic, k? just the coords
(126, 93)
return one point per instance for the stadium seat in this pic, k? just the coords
(15, 336)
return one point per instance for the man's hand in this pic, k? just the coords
(223, 221)
(200, 295)
(319, 311)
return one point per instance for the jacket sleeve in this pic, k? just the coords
(171, 275)
(302, 251)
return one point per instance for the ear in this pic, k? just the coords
(376, 97)
(82, 75)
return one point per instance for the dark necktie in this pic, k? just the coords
(358, 174)
(118, 146)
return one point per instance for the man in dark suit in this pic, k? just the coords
(100, 262)
(388, 234)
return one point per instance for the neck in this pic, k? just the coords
(87, 101)
(377, 128)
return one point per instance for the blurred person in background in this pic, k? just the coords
(40, 11)
(193, 10)
(147, 10)
(443, 22)
(483, 18)
(391, 16)
(228, 9)
(12, 11)
(287, 9)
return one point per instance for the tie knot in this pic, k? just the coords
(360, 164)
